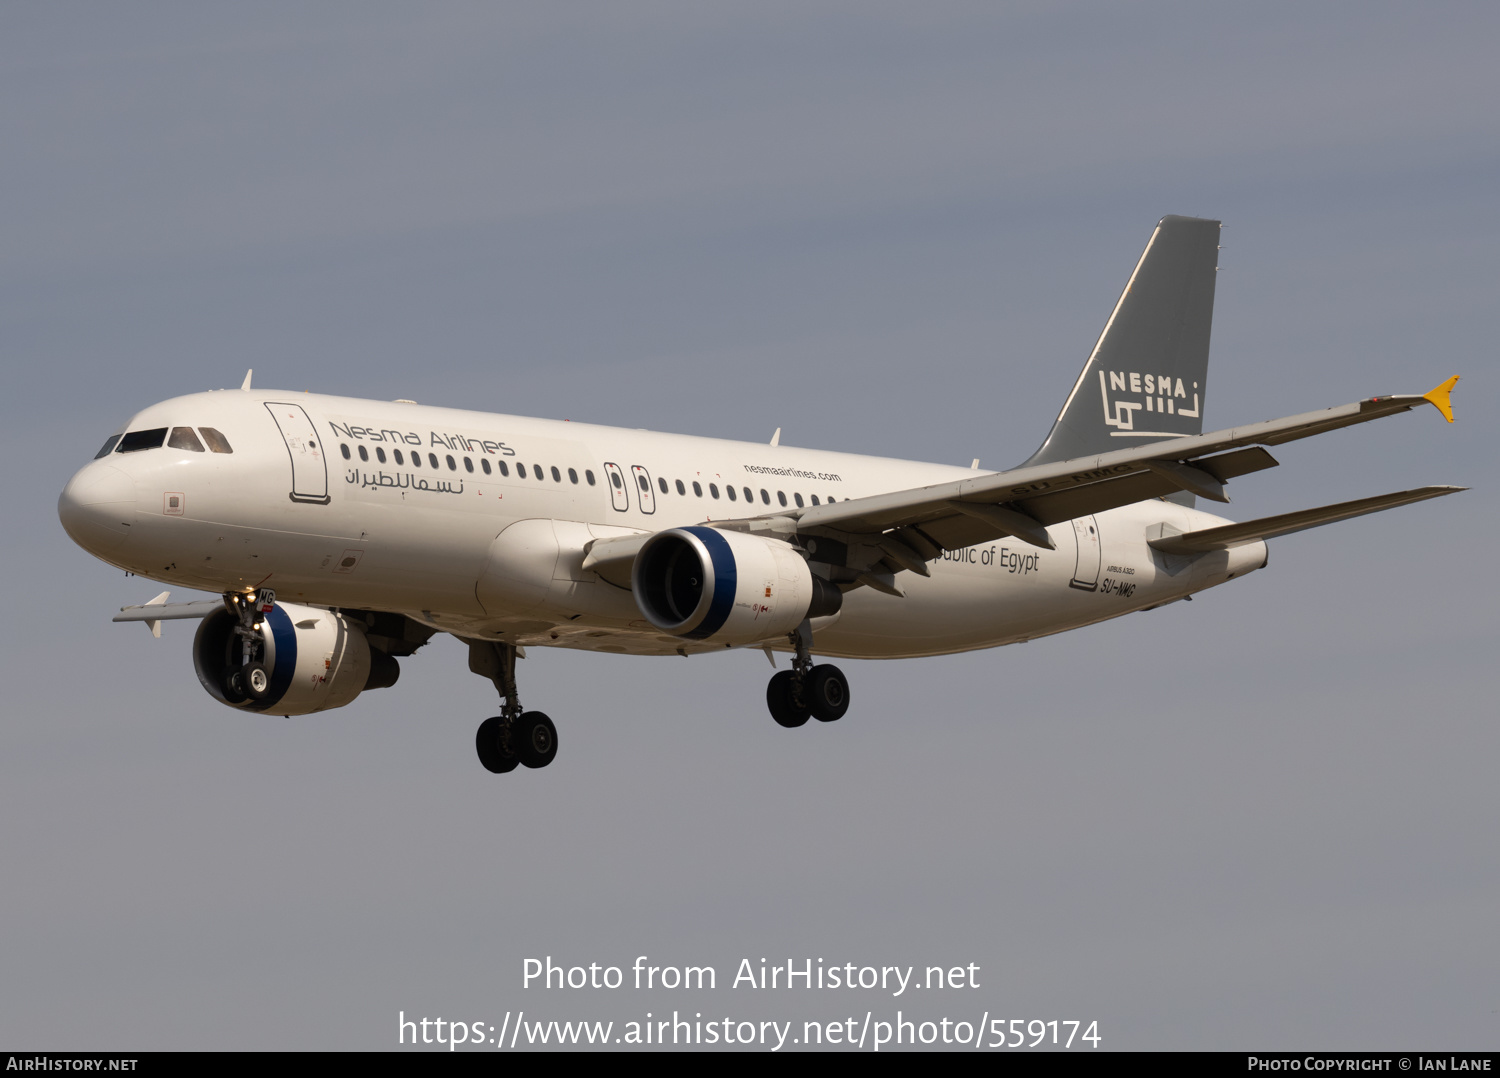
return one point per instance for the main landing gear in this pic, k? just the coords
(513, 736)
(807, 691)
(246, 676)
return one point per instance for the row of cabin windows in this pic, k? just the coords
(713, 491)
(536, 470)
(178, 438)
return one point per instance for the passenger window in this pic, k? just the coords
(468, 465)
(766, 497)
(749, 495)
(713, 490)
(573, 476)
(780, 496)
(452, 464)
(416, 460)
(217, 443)
(344, 449)
(137, 440)
(589, 475)
(729, 491)
(505, 469)
(644, 484)
(397, 454)
(614, 476)
(432, 459)
(364, 454)
(380, 454)
(109, 447)
(661, 482)
(798, 499)
(556, 475)
(184, 438)
(815, 499)
(697, 489)
(520, 471)
(680, 488)
(485, 465)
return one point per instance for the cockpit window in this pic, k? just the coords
(109, 447)
(137, 440)
(184, 438)
(216, 441)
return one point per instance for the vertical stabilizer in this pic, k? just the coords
(1147, 377)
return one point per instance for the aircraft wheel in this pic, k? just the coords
(257, 681)
(536, 739)
(779, 699)
(827, 693)
(234, 686)
(491, 754)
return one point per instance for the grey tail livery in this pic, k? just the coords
(1147, 378)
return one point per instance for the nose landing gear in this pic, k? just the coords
(514, 736)
(819, 692)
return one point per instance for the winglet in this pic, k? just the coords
(246, 384)
(1439, 398)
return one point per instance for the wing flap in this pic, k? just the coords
(956, 530)
(1221, 538)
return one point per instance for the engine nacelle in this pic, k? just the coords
(705, 584)
(313, 660)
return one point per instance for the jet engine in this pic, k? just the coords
(289, 660)
(705, 584)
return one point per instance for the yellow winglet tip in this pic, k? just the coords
(1439, 398)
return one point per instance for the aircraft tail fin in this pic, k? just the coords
(1147, 377)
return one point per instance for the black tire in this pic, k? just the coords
(257, 681)
(491, 754)
(779, 699)
(535, 739)
(234, 686)
(827, 693)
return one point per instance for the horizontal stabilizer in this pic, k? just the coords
(1229, 535)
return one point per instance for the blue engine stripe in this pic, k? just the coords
(726, 583)
(284, 637)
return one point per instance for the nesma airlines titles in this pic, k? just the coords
(338, 536)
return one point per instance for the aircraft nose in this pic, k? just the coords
(97, 507)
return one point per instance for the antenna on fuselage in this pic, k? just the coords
(245, 385)
(776, 438)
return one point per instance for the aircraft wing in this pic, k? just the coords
(924, 521)
(155, 611)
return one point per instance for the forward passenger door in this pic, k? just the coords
(309, 469)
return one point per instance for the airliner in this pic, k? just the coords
(339, 535)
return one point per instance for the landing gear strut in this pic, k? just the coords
(804, 691)
(247, 677)
(513, 736)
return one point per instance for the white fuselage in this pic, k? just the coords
(489, 555)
